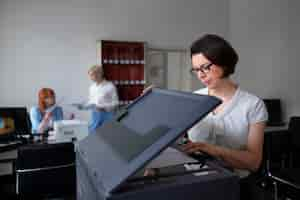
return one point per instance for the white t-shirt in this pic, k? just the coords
(103, 95)
(230, 128)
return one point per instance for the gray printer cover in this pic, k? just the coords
(153, 122)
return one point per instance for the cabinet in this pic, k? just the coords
(123, 63)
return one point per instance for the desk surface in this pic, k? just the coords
(8, 155)
(7, 146)
(276, 128)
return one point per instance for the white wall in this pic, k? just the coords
(174, 66)
(52, 43)
(266, 34)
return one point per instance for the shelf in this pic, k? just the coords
(128, 82)
(124, 62)
(123, 103)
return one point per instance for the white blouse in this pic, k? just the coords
(103, 95)
(230, 127)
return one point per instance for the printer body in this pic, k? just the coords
(69, 130)
(215, 184)
(110, 163)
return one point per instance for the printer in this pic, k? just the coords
(69, 131)
(111, 162)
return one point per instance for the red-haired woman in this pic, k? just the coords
(43, 115)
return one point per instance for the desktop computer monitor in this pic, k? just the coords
(275, 112)
(14, 121)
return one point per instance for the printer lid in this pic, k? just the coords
(150, 124)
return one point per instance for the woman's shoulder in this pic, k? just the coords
(35, 112)
(58, 109)
(249, 101)
(35, 109)
(255, 107)
(248, 96)
(109, 84)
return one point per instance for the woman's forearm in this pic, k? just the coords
(241, 159)
(41, 127)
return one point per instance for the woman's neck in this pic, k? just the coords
(225, 89)
(98, 82)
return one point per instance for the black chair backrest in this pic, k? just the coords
(275, 112)
(294, 128)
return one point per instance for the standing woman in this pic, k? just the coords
(103, 98)
(234, 131)
(43, 115)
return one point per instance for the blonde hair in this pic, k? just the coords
(98, 69)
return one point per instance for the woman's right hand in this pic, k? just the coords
(150, 172)
(47, 116)
(44, 122)
(148, 89)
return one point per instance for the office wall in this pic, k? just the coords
(51, 43)
(266, 35)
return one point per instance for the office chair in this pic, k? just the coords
(294, 128)
(286, 181)
(46, 170)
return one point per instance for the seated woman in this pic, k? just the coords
(234, 131)
(43, 115)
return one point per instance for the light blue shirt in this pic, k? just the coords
(98, 118)
(36, 117)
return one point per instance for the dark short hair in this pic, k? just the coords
(218, 51)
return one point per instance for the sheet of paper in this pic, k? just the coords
(72, 101)
(170, 157)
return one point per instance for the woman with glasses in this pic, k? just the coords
(234, 131)
(43, 115)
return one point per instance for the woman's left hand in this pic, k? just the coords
(193, 147)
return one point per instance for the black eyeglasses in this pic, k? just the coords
(205, 68)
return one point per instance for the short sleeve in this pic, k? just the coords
(258, 112)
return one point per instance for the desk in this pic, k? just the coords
(36, 168)
(7, 160)
(6, 146)
(8, 156)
